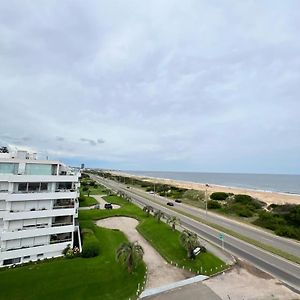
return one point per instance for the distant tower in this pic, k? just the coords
(82, 166)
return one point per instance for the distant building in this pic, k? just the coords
(38, 208)
(82, 166)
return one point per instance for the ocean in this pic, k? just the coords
(266, 182)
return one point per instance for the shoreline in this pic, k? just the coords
(269, 197)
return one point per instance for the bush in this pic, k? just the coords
(248, 200)
(92, 183)
(213, 204)
(220, 196)
(90, 246)
(194, 195)
(288, 231)
(241, 210)
(85, 188)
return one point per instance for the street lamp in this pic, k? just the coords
(206, 186)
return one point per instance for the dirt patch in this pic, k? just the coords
(159, 271)
(246, 282)
(252, 270)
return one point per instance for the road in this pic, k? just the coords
(286, 245)
(286, 271)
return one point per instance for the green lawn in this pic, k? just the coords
(100, 277)
(87, 201)
(167, 244)
(160, 235)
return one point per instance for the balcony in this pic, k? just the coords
(63, 203)
(62, 221)
(61, 238)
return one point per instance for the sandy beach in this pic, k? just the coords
(268, 197)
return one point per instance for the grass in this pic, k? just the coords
(87, 201)
(160, 236)
(100, 277)
(166, 242)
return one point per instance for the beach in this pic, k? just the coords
(265, 196)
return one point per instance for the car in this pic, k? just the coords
(170, 203)
(97, 206)
(151, 192)
(178, 201)
(108, 206)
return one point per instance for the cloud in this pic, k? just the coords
(172, 86)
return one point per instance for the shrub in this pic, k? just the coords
(194, 195)
(92, 183)
(90, 247)
(85, 188)
(248, 200)
(241, 210)
(220, 196)
(211, 204)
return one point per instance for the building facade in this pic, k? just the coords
(38, 208)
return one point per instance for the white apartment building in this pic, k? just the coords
(38, 208)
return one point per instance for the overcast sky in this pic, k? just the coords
(211, 86)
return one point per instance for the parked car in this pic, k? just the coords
(178, 201)
(108, 206)
(97, 206)
(170, 203)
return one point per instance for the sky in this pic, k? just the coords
(208, 86)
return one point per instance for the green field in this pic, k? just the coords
(100, 277)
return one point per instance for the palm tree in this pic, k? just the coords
(158, 215)
(147, 209)
(189, 241)
(173, 221)
(129, 254)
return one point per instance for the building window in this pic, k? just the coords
(38, 169)
(44, 186)
(64, 186)
(33, 186)
(8, 168)
(11, 261)
(26, 257)
(40, 255)
(22, 187)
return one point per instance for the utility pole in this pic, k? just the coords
(206, 198)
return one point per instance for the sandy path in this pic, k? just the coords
(268, 197)
(159, 271)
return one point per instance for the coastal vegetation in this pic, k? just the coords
(283, 220)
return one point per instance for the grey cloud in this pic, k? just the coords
(171, 87)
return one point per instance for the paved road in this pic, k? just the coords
(286, 245)
(284, 270)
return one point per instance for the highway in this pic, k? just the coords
(286, 271)
(286, 245)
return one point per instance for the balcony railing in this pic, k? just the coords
(61, 241)
(22, 247)
(62, 224)
(63, 206)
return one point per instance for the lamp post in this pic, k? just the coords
(206, 186)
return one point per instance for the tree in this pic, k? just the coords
(173, 221)
(147, 209)
(158, 215)
(130, 254)
(4, 149)
(88, 191)
(189, 241)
